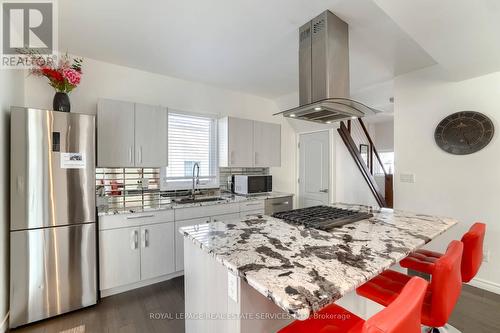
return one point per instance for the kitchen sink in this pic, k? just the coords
(195, 200)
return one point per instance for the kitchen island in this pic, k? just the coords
(257, 274)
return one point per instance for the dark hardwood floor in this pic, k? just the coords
(477, 311)
(125, 313)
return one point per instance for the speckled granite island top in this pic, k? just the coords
(302, 270)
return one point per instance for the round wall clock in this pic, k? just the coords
(464, 132)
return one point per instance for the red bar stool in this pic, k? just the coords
(424, 260)
(401, 316)
(441, 296)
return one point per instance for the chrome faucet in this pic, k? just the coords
(196, 179)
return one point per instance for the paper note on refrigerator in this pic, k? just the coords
(72, 160)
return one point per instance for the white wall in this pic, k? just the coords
(11, 93)
(105, 80)
(350, 186)
(464, 187)
(383, 135)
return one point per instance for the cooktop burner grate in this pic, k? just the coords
(322, 217)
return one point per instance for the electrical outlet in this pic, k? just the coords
(407, 178)
(486, 255)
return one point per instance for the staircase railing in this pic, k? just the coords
(361, 147)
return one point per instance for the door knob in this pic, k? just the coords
(324, 190)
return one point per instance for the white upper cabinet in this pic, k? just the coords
(266, 144)
(235, 142)
(248, 143)
(151, 126)
(115, 133)
(131, 134)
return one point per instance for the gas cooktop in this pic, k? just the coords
(322, 217)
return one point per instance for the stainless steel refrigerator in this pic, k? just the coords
(52, 227)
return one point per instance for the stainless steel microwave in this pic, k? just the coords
(252, 184)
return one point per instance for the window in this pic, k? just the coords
(191, 139)
(388, 161)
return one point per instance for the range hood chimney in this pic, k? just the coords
(324, 91)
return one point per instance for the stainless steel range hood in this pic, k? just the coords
(324, 73)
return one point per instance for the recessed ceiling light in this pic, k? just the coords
(292, 115)
(353, 117)
(328, 122)
(318, 108)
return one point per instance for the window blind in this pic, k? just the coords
(191, 139)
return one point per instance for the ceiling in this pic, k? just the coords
(244, 45)
(463, 36)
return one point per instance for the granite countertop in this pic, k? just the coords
(302, 270)
(227, 198)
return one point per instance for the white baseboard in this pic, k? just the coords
(121, 289)
(486, 285)
(4, 325)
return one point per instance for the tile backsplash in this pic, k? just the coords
(225, 174)
(133, 188)
(128, 188)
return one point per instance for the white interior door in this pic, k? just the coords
(314, 169)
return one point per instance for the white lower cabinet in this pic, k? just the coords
(157, 250)
(140, 248)
(134, 254)
(120, 257)
(252, 205)
(179, 239)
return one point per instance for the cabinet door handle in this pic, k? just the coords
(134, 240)
(139, 217)
(255, 158)
(130, 154)
(146, 238)
(140, 154)
(231, 157)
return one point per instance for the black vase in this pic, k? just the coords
(61, 102)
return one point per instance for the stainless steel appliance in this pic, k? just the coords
(252, 184)
(324, 91)
(322, 217)
(276, 205)
(52, 227)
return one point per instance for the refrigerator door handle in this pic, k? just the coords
(20, 184)
(130, 154)
(146, 238)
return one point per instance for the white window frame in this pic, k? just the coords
(170, 183)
